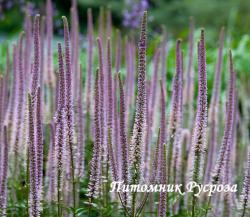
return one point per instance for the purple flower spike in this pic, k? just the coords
(130, 57)
(140, 115)
(110, 112)
(177, 141)
(246, 188)
(34, 187)
(199, 133)
(162, 155)
(118, 53)
(136, 144)
(6, 86)
(189, 80)
(217, 80)
(89, 60)
(163, 180)
(2, 100)
(101, 93)
(200, 125)
(61, 78)
(4, 174)
(163, 115)
(14, 90)
(213, 111)
(153, 88)
(36, 61)
(117, 144)
(93, 187)
(110, 96)
(68, 71)
(42, 53)
(175, 116)
(112, 159)
(75, 48)
(28, 47)
(39, 139)
(228, 130)
(49, 31)
(19, 109)
(59, 126)
(80, 135)
(69, 123)
(147, 147)
(116, 135)
(51, 167)
(163, 55)
(123, 138)
(226, 179)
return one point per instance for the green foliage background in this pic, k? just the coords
(174, 14)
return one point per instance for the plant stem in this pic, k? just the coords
(133, 211)
(27, 181)
(59, 194)
(89, 208)
(169, 163)
(193, 205)
(195, 179)
(124, 206)
(208, 204)
(73, 177)
(107, 184)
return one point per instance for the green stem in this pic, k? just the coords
(59, 214)
(107, 184)
(124, 206)
(133, 211)
(89, 208)
(73, 177)
(195, 179)
(140, 208)
(193, 204)
(208, 205)
(169, 163)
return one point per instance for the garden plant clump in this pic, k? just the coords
(128, 125)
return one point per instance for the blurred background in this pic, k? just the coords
(174, 14)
